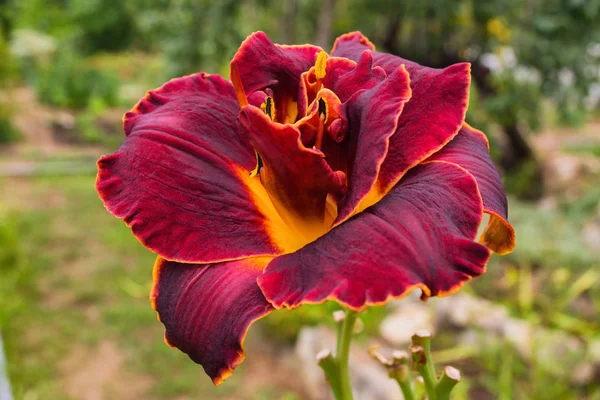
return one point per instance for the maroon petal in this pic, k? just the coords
(207, 310)
(350, 44)
(180, 179)
(260, 64)
(420, 235)
(470, 150)
(363, 76)
(373, 116)
(430, 119)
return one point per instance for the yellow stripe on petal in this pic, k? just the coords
(287, 238)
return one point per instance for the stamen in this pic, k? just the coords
(322, 111)
(321, 68)
(267, 108)
(321, 65)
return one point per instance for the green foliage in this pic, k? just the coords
(558, 41)
(7, 65)
(8, 133)
(48, 16)
(68, 82)
(550, 238)
(506, 109)
(108, 25)
(523, 180)
(13, 269)
(95, 25)
(200, 42)
(518, 378)
(93, 128)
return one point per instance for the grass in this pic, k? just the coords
(588, 149)
(73, 278)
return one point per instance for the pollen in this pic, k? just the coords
(267, 108)
(321, 65)
(323, 108)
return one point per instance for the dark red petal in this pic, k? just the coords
(261, 64)
(420, 235)
(470, 150)
(177, 181)
(363, 76)
(207, 310)
(373, 116)
(351, 43)
(297, 178)
(430, 119)
(343, 76)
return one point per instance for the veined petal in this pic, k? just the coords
(207, 309)
(430, 120)
(178, 180)
(420, 235)
(363, 76)
(470, 150)
(373, 116)
(260, 64)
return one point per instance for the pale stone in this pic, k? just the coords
(399, 326)
(465, 310)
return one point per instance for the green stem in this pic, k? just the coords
(401, 374)
(406, 390)
(450, 377)
(426, 343)
(430, 382)
(343, 350)
(425, 365)
(329, 366)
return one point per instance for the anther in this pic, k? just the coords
(320, 68)
(267, 108)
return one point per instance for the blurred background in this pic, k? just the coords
(74, 313)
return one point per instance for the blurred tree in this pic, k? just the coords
(6, 18)
(193, 33)
(524, 53)
(289, 33)
(521, 51)
(326, 15)
(107, 25)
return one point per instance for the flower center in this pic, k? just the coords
(300, 162)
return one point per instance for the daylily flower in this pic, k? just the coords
(309, 177)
